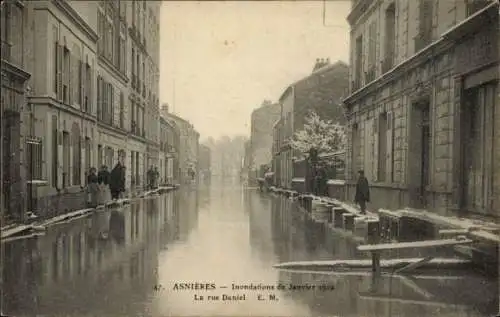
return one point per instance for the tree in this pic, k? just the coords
(319, 135)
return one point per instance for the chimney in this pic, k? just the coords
(164, 109)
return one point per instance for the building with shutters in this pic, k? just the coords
(15, 137)
(94, 94)
(423, 110)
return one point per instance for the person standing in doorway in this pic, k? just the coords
(362, 192)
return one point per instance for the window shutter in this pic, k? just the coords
(375, 157)
(98, 110)
(70, 74)
(60, 52)
(390, 147)
(81, 89)
(89, 87)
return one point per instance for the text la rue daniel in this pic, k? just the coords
(259, 289)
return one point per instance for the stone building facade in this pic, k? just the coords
(322, 92)
(261, 136)
(188, 147)
(169, 156)
(14, 111)
(87, 61)
(423, 98)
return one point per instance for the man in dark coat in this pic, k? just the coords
(362, 192)
(117, 181)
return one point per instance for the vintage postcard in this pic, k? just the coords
(250, 158)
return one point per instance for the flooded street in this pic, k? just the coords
(182, 253)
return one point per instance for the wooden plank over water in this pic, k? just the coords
(414, 244)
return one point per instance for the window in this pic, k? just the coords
(122, 56)
(372, 52)
(390, 38)
(109, 40)
(34, 158)
(358, 66)
(100, 30)
(54, 154)
(424, 36)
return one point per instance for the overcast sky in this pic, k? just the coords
(220, 60)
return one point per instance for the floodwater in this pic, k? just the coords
(180, 254)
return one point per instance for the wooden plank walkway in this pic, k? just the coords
(414, 244)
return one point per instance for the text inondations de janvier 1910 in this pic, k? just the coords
(211, 292)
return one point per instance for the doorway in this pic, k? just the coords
(476, 147)
(420, 153)
(11, 125)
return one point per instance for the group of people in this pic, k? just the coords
(104, 185)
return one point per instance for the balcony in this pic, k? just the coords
(422, 40)
(388, 62)
(6, 51)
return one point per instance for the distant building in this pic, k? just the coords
(92, 98)
(169, 151)
(322, 92)
(261, 136)
(188, 146)
(423, 109)
(205, 161)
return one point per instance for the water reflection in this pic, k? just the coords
(104, 265)
(125, 263)
(301, 238)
